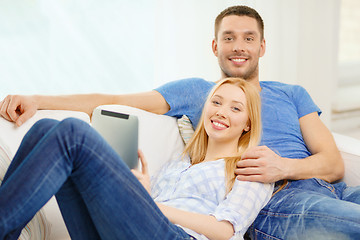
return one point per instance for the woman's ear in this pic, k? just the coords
(247, 129)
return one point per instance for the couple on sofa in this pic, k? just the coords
(295, 145)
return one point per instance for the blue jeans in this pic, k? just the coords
(98, 195)
(310, 209)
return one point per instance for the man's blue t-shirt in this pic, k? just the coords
(282, 106)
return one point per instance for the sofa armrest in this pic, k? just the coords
(12, 135)
(350, 151)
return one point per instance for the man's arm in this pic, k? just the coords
(326, 162)
(263, 165)
(18, 108)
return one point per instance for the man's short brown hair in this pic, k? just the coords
(240, 11)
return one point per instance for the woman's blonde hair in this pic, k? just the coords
(197, 146)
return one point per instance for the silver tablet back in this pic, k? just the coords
(120, 130)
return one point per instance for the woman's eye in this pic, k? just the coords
(215, 102)
(236, 109)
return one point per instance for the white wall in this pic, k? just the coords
(302, 39)
(119, 46)
(69, 46)
(301, 36)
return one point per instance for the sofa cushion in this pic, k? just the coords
(350, 151)
(185, 127)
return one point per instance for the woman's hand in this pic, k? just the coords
(143, 176)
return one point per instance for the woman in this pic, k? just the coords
(100, 198)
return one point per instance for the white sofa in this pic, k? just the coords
(159, 139)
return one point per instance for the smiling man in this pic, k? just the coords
(296, 145)
(236, 45)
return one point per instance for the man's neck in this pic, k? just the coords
(255, 81)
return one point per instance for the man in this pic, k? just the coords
(296, 144)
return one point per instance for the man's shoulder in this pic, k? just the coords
(188, 83)
(274, 84)
(280, 86)
(195, 81)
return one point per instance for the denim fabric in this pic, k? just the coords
(98, 195)
(310, 209)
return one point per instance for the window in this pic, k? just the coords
(349, 44)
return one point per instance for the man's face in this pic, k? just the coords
(238, 47)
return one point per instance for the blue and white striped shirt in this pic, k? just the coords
(201, 188)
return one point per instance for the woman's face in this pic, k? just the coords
(226, 115)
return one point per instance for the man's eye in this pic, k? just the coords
(228, 38)
(249, 39)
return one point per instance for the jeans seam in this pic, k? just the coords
(266, 236)
(308, 214)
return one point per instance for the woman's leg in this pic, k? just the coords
(31, 138)
(119, 206)
(34, 136)
(79, 225)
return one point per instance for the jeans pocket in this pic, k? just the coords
(325, 184)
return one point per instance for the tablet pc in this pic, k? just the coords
(120, 130)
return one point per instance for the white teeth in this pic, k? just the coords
(238, 60)
(218, 124)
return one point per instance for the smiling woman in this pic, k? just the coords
(232, 109)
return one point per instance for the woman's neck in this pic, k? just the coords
(216, 150)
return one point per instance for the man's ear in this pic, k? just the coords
(262, 47)
(214, 47)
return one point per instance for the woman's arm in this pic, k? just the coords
(200, 223)
(232, 216)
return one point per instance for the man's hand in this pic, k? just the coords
(18, 109)
(143, 176)
(261, 164)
